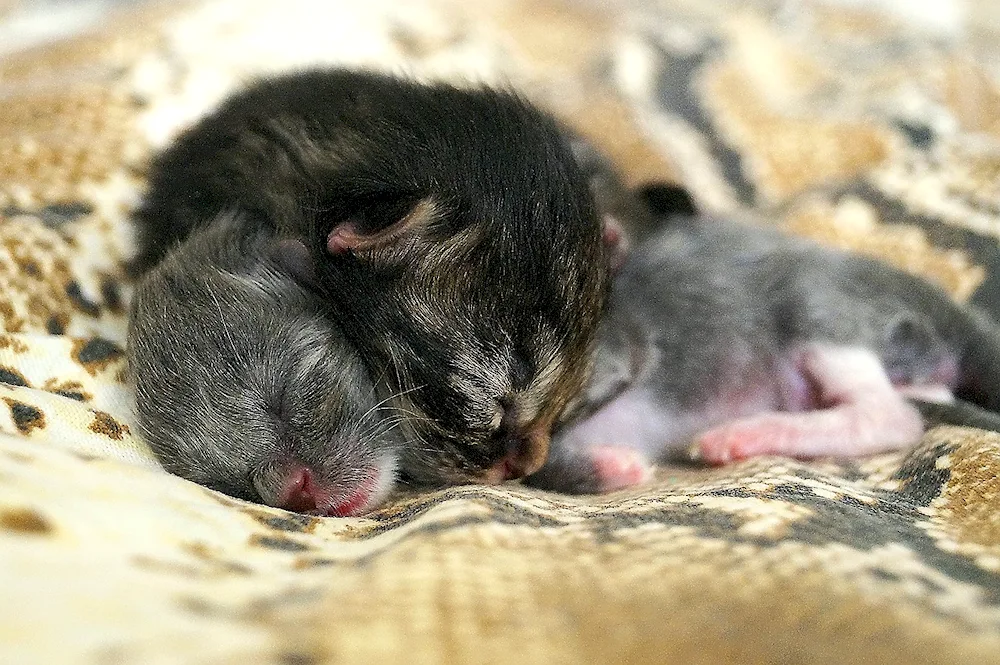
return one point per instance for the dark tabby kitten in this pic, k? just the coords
(449, 231)
(741, 341)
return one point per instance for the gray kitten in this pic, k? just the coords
(738, 341)
(244, 385)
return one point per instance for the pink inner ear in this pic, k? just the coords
(615, 242)
(345, 237)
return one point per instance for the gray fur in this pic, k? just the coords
(449, 228)
(239, 370)
(708, 306)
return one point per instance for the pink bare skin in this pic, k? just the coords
(857, 411)
(618, 468)
(821, 401)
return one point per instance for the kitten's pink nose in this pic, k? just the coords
(302, 492)
(298, 490)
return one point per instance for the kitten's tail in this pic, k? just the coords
(978, 344)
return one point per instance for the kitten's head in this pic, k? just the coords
(460, 243)
(244, 385)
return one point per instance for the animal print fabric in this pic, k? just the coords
(860, 129)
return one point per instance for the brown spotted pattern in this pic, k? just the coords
(845, 125)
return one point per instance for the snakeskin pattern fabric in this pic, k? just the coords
(857, 128)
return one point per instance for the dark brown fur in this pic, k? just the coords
(451, 234)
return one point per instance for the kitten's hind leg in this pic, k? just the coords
(859, 412)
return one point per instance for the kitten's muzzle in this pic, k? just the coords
(527, 452)
(297, 487)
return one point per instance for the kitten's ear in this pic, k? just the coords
(381, 223)
(293, 256)
(616, 242)
(667, 200)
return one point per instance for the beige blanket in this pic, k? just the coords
(863, 130)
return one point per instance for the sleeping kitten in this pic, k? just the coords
(449, 231)
(739, 341)
(243, 383)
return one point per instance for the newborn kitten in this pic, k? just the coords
(243, 383)
(452, 236)
(741, 342)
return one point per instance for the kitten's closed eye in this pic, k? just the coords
(508, 424)
(292, 256)
(499, 415)
(521, 370)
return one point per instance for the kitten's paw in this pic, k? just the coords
(592, 469)
(617, 467)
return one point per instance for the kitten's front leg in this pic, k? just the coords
(591, 469)
(859, 412)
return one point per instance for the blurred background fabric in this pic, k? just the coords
(872, 126)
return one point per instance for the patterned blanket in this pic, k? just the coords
(861, 129)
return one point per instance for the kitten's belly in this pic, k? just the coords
(661, 425)
(660, 429)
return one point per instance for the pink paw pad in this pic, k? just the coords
(618, 467)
